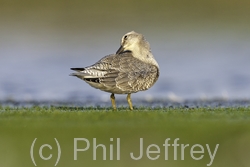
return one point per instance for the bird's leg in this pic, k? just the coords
(112, 98)
(129, 102)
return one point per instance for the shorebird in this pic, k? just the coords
(132, 69)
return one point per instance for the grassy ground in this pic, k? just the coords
(228, 127)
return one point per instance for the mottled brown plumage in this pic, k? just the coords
(132, 69)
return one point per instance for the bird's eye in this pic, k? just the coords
(125, 37)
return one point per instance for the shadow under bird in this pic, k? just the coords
(132, 69)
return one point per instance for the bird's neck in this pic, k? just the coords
(144, 55)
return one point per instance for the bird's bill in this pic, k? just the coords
(120, 50)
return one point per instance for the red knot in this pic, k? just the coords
(132, 69)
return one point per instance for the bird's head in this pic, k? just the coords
(133, 42)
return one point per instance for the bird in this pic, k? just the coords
(131, 69)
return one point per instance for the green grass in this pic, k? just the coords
(228, 127)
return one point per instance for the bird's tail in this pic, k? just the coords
(78, 69)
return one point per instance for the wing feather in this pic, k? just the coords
(122, 73)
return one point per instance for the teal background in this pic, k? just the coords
(202, 46)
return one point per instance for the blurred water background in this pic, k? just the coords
(202, 47)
